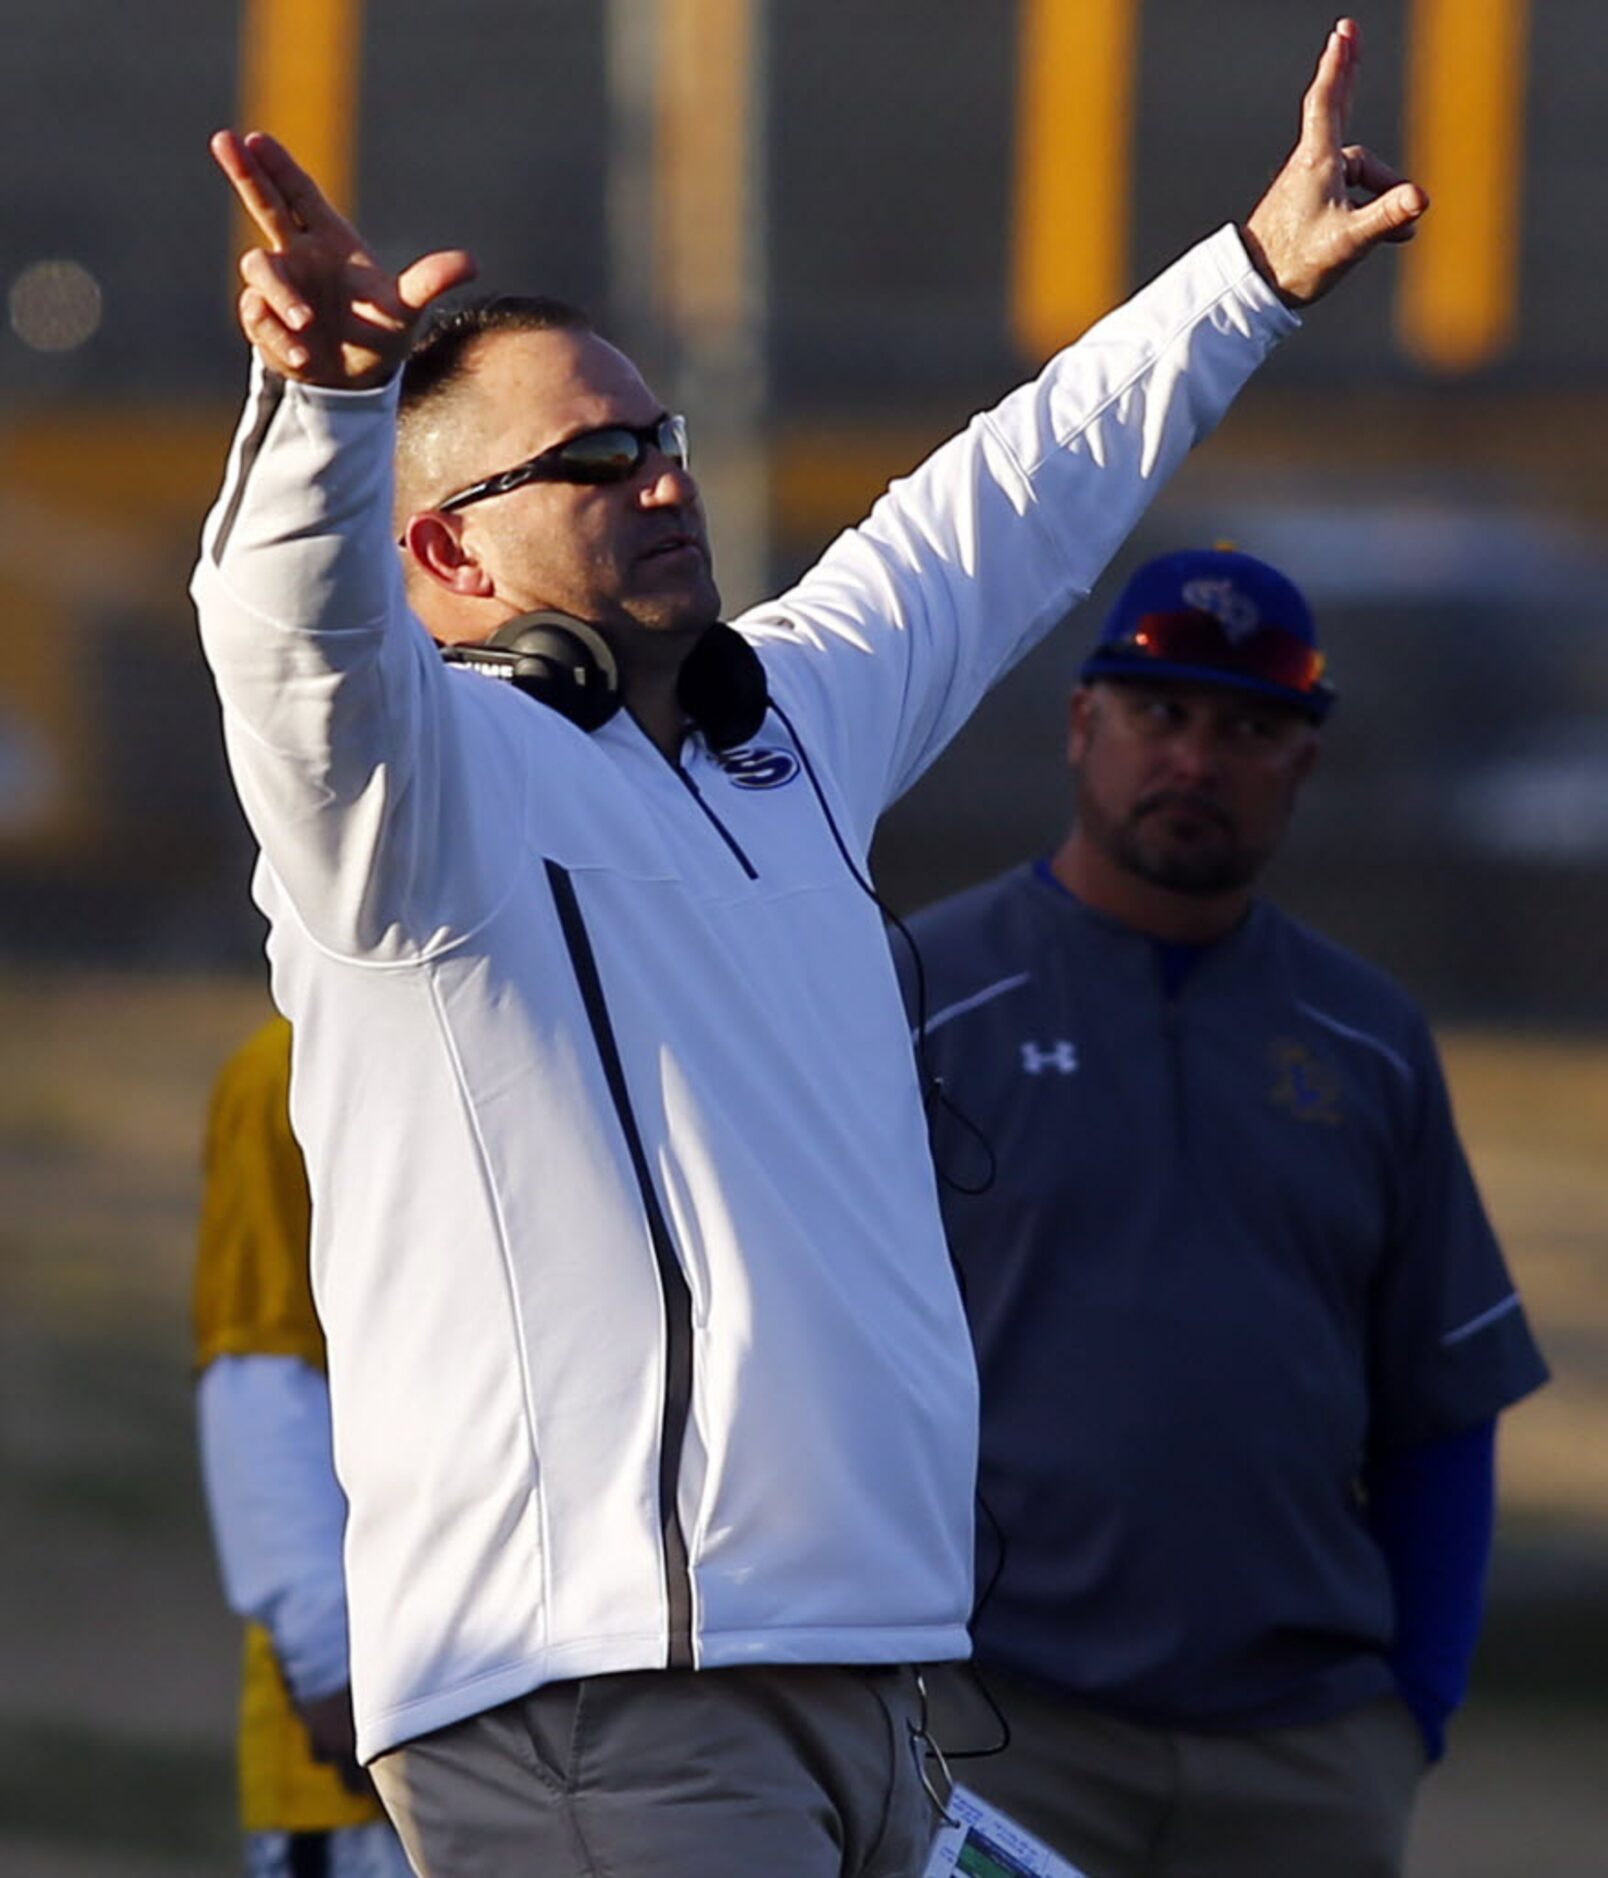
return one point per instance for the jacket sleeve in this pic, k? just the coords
(884, 649)
(1432, 1510)
(1450, 1340)
(343, 731)
(277, 1512)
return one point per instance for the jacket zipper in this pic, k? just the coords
(673, 1288)
(719, 826)
(1175, 1067)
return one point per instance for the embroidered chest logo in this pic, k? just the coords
(1303, 1083)
(758, 769)
(1061, 1056)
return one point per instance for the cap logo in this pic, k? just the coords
(1236, 612)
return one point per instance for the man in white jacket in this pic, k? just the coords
(646, 1361)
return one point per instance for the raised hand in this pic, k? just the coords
(316, 304)
(1332, 202)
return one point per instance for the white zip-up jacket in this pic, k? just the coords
(644, 1345)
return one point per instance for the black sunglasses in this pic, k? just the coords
(611, 454)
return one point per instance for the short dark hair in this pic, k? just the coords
(440, 354)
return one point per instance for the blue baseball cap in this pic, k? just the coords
(1214, 616)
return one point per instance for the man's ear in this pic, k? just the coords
(435, 546)
(1081, 709)
(1307, 757)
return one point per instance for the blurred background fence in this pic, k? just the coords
(835, 229)
(831, 229)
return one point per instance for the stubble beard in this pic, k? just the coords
(680, 610)
(1141, 846)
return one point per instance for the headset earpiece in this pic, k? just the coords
(559, 661)
(721, 687)
(567, 665)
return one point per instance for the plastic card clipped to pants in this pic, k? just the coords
(979, 1841)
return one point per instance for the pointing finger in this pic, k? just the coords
(1349, 33)
(1327, 103)
(258, 195)
(303, 198)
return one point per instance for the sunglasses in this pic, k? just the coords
(611, 454)
(1272, 654)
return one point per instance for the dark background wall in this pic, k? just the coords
(1450, 528)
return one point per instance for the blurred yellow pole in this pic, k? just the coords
(1467, 63)
(299, 62)
(710, 280)
(704, 178)
(1077, 64)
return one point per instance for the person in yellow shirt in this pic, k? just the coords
(278, 1514)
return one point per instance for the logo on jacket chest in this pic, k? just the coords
(758, 768)
(1303, 1083)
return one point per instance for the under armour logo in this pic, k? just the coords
(1061, 1055)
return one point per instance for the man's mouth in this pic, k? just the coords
(1187, 808)
(672, 544)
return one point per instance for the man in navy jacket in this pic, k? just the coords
(1242, 1325)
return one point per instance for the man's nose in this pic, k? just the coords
(667, 483)
(1196, 751)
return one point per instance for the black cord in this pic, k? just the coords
(971, 1666)
(934, 1096)
(980, 1683)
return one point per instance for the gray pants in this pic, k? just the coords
(762, 1772)
(1122, 1800)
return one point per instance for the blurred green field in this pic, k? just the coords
(117, 1688)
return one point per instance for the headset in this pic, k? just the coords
(567, 665)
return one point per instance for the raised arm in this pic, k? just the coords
(341, 733)
(892, 639)
(316, 304)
